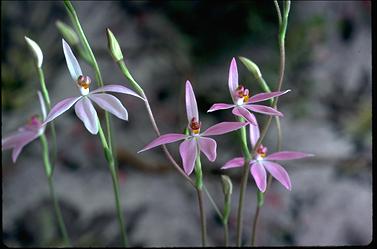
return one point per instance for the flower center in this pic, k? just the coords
(261, 151)
(83, 83)
(242, 94)
(195, 126)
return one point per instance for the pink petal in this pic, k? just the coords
(234, 163)
(72, 63)
(208, 147)
(164, 139)
(265, 96)
(14, 139)
(233, 78)
(191, 106)
(27, 138)
(287, 155)
(110, 104)
(254, 133)
(242, 112)
(60, 108)
(188, 151)
(223, 127)
(88, 115)
(259, 174)
(220, 106)
(264, 109)
(117, 89)
(279, 173)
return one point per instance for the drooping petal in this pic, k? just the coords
(259, 174)
(60, 108)
(279, 173)
(233, 79)
(254, 133)
(110, 104)
(208, 147)
(264, 109)
(265, 96)
(191, 106)
(223, 127)
(234, 163)
(88, 115)
(27, 138)
(72, 63)
(117, 89)
(164, 139)
(287, 155)
(188, 152)
(220, 106)
(42, 103)
(242, 112)
(16, 138)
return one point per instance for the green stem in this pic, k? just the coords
(46, 98)
(226, 234)
(213, 202)
(115, 179)
(48, 171)
(245, 175)
(199, 191)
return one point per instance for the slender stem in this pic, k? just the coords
(226, 234)
(48, 171)
(46, 98)
(213, 202)
(245, 176)
(202, 216)
(114, 177)
(255, 222)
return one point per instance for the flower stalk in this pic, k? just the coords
(48, 171)
(199, 186)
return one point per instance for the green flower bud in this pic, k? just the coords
(113, 46)
(227, 190)
(36, 50)
(68, 33)
(251, 66)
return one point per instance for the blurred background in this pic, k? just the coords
(328, 113)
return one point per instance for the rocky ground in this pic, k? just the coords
(328, 113)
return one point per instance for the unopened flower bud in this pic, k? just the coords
(227, 185)
(113, 46)
(68, 33)
(251, 66)
(36, 50)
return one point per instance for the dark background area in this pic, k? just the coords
(328, 113)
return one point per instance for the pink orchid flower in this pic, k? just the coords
(83, 104)
(25, 134)
(262, 162)
(196, 141)
(242, 103)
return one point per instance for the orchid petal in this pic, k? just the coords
(117, 89)
(234, 163)
(110, 104)
(72, 63)
(264, 109)
(85, 111)
(164, 139)
(220, 106)
(223, 127)
(287, 155)
(188, 152)
(15, 139)
(191, 106)
(259, 174)
(242, 112)
(254, 133)
(42, 103)
(233, 78)
(208, 147)
(279, 173)
(60, 108)
(27, 137)
(265, 96)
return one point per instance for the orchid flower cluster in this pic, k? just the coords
(195, 141)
